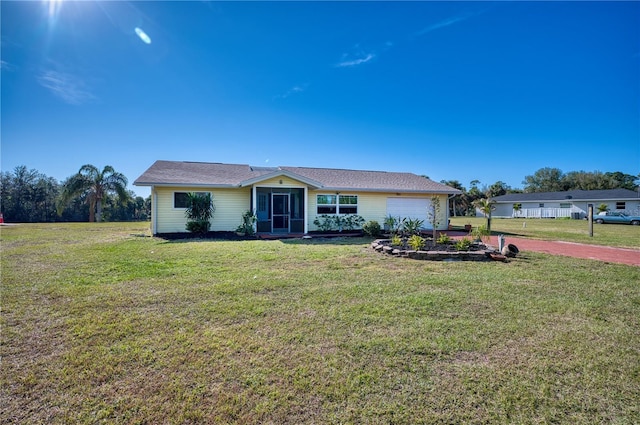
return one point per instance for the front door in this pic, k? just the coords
(280, 214)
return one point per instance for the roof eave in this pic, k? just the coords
(390, 190)
(280, 173)
(165, 184)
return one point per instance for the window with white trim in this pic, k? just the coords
(565, 205)
(348, 204)
(337, 204)
(181, 199)
(621, 205)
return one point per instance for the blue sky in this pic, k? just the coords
(452, 90)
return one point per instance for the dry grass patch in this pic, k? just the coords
(103, 328)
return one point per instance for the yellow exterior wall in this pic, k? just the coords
(286, 182)
(230, 205)
(373, 206)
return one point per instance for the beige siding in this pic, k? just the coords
(373, 206)
(275, 182)
(229, 203)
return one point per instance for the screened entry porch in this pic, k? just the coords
(280, 210)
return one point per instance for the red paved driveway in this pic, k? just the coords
(571, 249)
(578, 250)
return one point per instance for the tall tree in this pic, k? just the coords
(27, 195)
(625, 181)
(497, 189)
(545, 180)
(95, 186)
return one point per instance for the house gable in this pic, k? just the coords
(278, 176)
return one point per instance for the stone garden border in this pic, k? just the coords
(483, 253)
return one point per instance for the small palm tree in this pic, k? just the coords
(199, 211)
(486, 206)
(516, 209)
(94, 185)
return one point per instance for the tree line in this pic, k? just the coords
(544, 180)
(28, 196)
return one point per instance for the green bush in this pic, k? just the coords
(463, 244)
(416, 242)
(393, 224)
(326, 222)
(351, 221)
(198, 226)
(412, 226)
(248, 222)
(396, 240)
(199, 211)
(443, 238)
(372, 228)
(481, 232)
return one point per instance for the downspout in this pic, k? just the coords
(454, 210)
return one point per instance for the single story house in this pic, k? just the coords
(572, 203)
(287, 199)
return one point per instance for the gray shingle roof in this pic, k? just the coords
(235, 175)
(574, 195)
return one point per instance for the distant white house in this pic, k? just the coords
(572, 203)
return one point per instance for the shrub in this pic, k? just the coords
(198, 226)
(324, 222)
(372, 228)
(199, 211)
(393, 224)
(351, 221)
(481, 232)
(248, 221)
(443, 238)
(416, 242)
(396, 240)
(463, 244)
(412, 226)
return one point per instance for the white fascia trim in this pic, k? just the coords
(205, 185)
(280, 173)
(356, 190)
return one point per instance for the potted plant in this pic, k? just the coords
(467, 227)
(246, 228)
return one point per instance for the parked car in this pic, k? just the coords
(616, 218)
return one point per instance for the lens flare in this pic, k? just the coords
(143, 36)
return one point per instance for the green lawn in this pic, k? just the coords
(102, 324)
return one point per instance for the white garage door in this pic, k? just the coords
(410, 208)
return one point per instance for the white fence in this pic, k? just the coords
(546, 213)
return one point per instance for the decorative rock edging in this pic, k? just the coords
(383, 246)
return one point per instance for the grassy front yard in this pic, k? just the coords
(101, 324)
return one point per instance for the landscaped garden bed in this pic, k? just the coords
(448, 251)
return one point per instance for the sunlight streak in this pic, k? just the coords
(53, 10)
(54, 7)
(143, 36)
